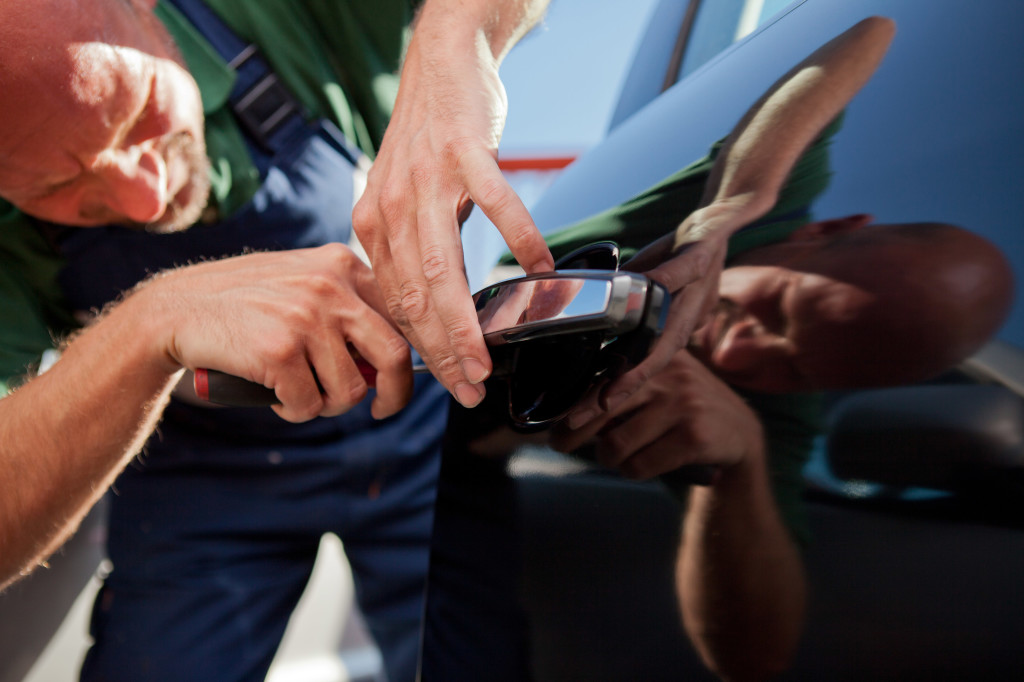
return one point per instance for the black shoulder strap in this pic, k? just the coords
(266, 111)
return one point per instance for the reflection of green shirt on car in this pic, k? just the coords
(340, 59)
(791, 422)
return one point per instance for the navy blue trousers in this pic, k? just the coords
(210, 560)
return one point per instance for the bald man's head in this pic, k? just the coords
(102, 122)
(844, 304)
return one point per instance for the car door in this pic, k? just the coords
(547, 568)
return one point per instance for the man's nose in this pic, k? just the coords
(135, 184)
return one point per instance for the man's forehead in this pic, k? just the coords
(818, 298)
(77, 94)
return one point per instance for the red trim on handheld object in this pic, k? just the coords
(201, 383)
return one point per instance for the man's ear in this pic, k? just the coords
(148, 5)
(829, 228)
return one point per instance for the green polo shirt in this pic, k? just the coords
(341, 61)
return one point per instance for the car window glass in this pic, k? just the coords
(721, 23)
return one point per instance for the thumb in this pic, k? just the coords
(689, 264)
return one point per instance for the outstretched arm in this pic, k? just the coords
(739, 575)
(749, 173)
(272, 318)
(739, 572)
(439, 158)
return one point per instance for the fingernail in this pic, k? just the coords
(474, 370)
(615, 401)
(468, 395)
(578, 419)
(539, 266)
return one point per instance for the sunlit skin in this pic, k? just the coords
(101, 133)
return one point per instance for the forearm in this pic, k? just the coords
(491, 24)
(66, 434)
(286, 320)
(763, 147)
(740, 576)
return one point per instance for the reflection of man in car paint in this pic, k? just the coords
(799, 306)
(801, 315)
(750, 179)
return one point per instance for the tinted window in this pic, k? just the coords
(720, 23)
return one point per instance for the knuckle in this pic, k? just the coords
(640, 376)
(394, 355)
(319, 285)
(436, 265)
(350, 393)
(396, 351)
(364, 217)
(414, 303)
(281, 355)
(297, 414)
(632, 381)
(353, 393)
(336, 253)
(671, 276)
(494, 194)
(680, 271)
(676, 337)
(393, 301)
(304, 316)
(279, 349)
(460, 333)
(324, 275)
(447, 365)
(456, 151)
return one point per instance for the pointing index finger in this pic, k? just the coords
(494, 195)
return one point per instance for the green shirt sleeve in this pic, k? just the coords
(32, 312)
(791, 422)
